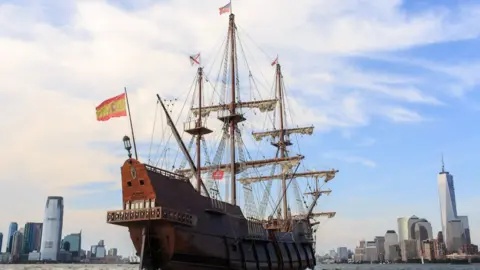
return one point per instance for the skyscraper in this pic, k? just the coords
(1, 241)
(391, 238)
(52, 228)
(17, 241)
(11, 230)
(402, 229)
(31, 237)
(448, 204)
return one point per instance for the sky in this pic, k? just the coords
(390, 85)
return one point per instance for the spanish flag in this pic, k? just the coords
(112, 107)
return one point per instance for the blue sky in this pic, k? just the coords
(389, 86)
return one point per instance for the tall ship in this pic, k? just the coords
(193, 216)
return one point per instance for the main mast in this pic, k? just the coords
(232, 118)
(198, 124)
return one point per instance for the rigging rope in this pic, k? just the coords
(153, 132)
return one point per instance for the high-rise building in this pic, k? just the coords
(448, 211)
(17, 241)
(32, 237)
(371, 254)
(380, 245)
(402, 229)
(440, 237)
(454, 231)
(73, 243)
(466, 230)
(342, 254)
(448, 204)
(391, 238)
(422, 230)
(113, 252)
(11, 230)
(409, 249)
(52, 228)
(99, 251)
(1, 241)
(411, 226)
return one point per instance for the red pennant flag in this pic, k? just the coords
(217, 175)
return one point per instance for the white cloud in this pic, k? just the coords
(53, 76)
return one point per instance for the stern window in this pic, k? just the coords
(129, 183)
(142, 182)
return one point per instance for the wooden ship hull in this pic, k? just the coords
(172, 226)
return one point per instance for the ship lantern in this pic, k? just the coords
(128, 145)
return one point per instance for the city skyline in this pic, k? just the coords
(389, 86)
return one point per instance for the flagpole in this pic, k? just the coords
(131, 125)
(231, 8)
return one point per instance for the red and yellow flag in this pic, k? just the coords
(112, 107)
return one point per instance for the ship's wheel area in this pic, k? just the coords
(233, 113)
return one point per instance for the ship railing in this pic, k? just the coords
(156, 213)
(218, 204)
(166, 173)
(256, 229)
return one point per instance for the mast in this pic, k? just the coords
(199, 124)
(281, 144)
(233, 124)
(197, 129)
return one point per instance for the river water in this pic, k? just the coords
(319, 267)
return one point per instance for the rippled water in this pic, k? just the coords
(319, 267)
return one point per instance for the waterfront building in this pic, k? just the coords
(113, 252)
(380, 246)
(342, 254)
(11, 230)
(409, 249)
(391, 238)
(394, 253)
(422, 230)
(73, 244)
(52, 229)
(17, 242)
(454, 235)
(466, 230)
(371, 254)
(439, 249)
(32, 237)
(428, 250)
(402, 229)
